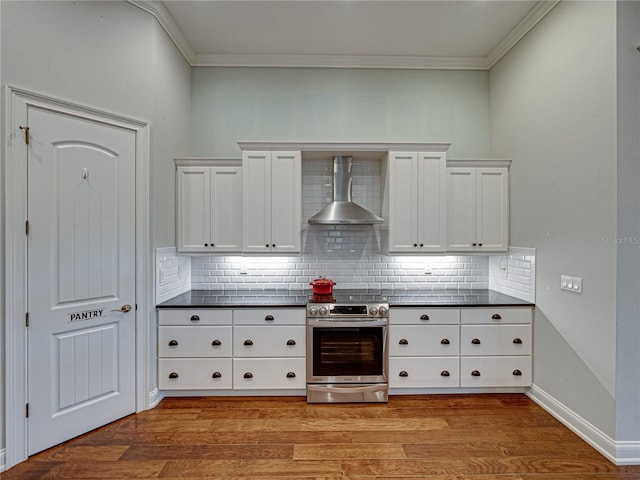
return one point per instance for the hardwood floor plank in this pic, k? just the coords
(105, 453)
(208, 452)
(89, 470)
(185, 438)
(345, 450)
(294, 438)
(250, 468)
(394, 468)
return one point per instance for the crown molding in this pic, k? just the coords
(346, 146)
(164, 18)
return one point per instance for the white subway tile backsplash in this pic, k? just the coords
(173, 274)
(514, 274)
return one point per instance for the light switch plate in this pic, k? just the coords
(571, 284)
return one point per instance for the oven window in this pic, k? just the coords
(348, 351)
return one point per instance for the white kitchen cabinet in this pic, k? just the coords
(477, 209)
(496, 347)
(209, 206)
(272, 201)
(194, 349)
(424, 372)
(414, 204)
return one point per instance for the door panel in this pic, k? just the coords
(81, 272)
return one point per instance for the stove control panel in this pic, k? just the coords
(375, 310)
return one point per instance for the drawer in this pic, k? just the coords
(268, 373)
(496, 315)
(431, 340)
(194, 341)
(424, 316)
(495, 372)
(194, 373)
(269, 341)
(416, 372)
(495, 340)
(269, 316)
(190, 316)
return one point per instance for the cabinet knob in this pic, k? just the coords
(517, 341)
(267, 245)
(422, 244)
(415, 244)
(248, 375)
(424, 317)
(445, 341)
(216, 375)
(496, 316)
(195, 318)
(173, 343)
(444, 373)
(403, 341)
(475, 341)
(206, 244)
(291, 342)
(474, 244)
(403, 373)
(248, 343)
(475, 373)
(273, 245)
(216, 343)
(479, 244)
(269, 318)
(517, 373)
(173, 375)
(291, 375)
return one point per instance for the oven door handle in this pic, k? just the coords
(364, 322)
(342, 388)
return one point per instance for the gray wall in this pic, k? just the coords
(553, 111)
(111, 56)
(334, 105)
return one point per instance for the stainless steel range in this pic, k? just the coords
(347, 351)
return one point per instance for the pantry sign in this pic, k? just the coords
(86, 315)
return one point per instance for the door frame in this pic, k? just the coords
(17, 101)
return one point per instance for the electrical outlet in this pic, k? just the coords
(427, 269)
(571, 284)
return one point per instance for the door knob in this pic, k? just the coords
(123, 309)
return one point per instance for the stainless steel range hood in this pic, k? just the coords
(343, 211)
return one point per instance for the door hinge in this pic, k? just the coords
(26, 227)
(26, 317)
(26, 134)
(26, 410)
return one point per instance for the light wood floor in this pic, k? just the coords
(451, 437)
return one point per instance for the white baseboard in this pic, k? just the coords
(620, 453)
(154, 398)
(3, 459)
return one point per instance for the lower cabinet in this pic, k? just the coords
(268, 373)
(424, 372)
(194, 373)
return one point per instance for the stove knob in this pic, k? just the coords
(313, 310)
(323, 310)
(383, 310)
(373, 311)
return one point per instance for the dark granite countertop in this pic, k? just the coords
(299, 298)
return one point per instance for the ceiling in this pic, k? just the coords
(459, 34)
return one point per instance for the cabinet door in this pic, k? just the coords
(403, 202)
(492, 230)
(226, 209)
(286, 201)
(256, 204)
(193, 209)
(431, 202)
(461, 209)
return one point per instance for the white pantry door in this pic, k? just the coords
(81, 276)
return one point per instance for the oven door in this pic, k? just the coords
(347, 351)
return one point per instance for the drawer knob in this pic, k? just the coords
(476, 341)
(403, 341)
(444, 373)
(291, 342)
(248, 375)
(195, 318)
(475, 373)
(517, 373)
(216, 375)
(403, 373)
(517, 341)
(269, 318)
(496, 316)
(424, 317)
(216, 343)
(173, 343)
(173, 375)
(248, 343)
(445, 341)
(291, 375)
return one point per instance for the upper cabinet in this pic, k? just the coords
(477, 209)
(272, 201)
(414, 202)
(209, 206)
